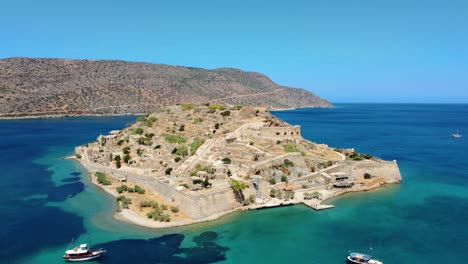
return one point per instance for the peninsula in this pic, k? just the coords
(190, 163)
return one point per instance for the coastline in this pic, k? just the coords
(50, 116)
(7, 116)
(129, 216)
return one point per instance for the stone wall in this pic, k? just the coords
(272, 133)
(387, 169)
(196, 206)
(281, 133)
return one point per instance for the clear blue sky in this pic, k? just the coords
(343, 50)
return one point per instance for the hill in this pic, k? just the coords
(38, 87)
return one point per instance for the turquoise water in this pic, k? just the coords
(47, 200)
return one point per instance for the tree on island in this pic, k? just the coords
(238, 188)
(117, 161)
(206, 183)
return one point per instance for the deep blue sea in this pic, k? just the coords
(47, 200)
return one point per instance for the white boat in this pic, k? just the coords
(82, 253)
(456, 135)
(359, 258)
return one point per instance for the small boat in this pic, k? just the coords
(82, 253)
(359, 258)
(456, 135)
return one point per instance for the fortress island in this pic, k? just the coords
(190, 163)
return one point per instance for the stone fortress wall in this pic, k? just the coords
(386, 169)
(272, 133)
(280, 133)
(196, 206)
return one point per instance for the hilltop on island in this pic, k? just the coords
(32, 87)
(189, 163)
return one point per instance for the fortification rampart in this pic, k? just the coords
(386, 169)
(196, 206)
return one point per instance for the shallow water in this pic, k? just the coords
(47, 200)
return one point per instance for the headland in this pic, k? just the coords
(191, 163)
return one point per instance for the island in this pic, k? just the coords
(190, 163)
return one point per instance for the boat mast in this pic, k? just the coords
(71, 242)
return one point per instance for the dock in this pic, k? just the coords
(316, 205)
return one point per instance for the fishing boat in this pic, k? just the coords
(82, 253)
(359, 258)
(456, 135)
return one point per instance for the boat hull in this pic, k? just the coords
(92, 255)
(372, 261)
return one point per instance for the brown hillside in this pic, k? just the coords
(57, 86)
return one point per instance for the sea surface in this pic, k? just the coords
(47, 200)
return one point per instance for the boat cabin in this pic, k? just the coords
(360, 257)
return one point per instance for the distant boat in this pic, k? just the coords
(457, 135)
(359, 258)
(82, 253)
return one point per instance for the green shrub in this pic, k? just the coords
(182, 151)
(284, 178)
(157, 147)
(288, 163)
(290, 148)
(177, 159)
(139, 190)
(195, 145)
(163, 207)
(197, 181)
(175, 139)
(126, 158)
(78, 156)
(122, 188)
(226, 113)
(216, 107)
(198, 120)
(124, 200)
(273, 192)
(146, 204)
(174, 209)
(206, 183)
(182, 128)
(130, 190)
(272, 180)
(149, 123)
(367, 175)
(149, 135)
(101, 178)
(168, 171)
(186, 107)
(120, 142)
(226, 160)
(138, 131)
(126, 150)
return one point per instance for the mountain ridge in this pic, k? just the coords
(53, 86)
